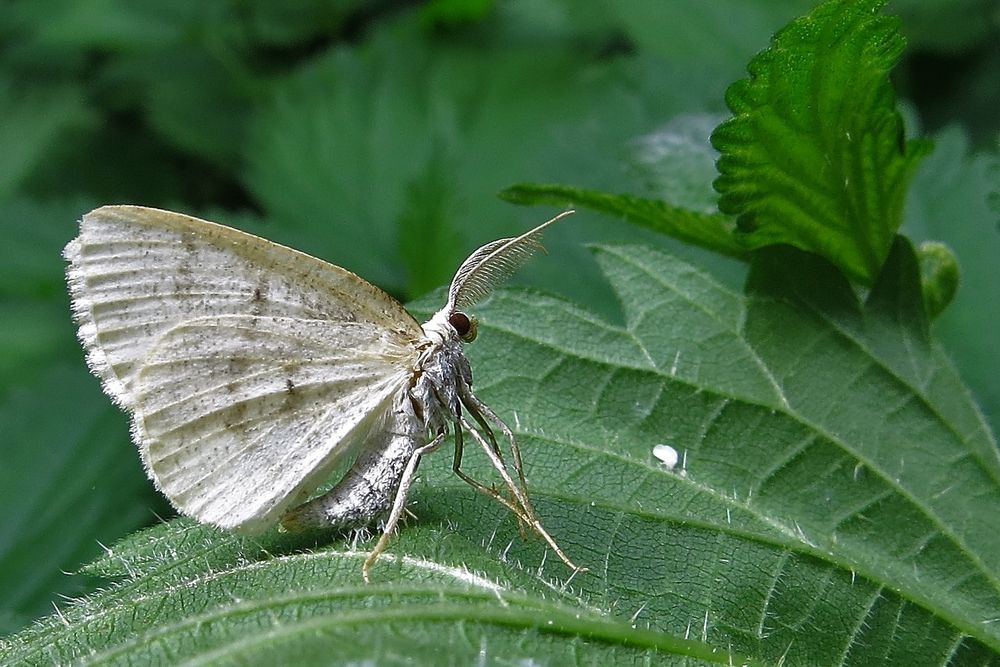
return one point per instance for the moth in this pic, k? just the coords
(251, 371)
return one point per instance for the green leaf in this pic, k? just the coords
(713, 232)
(838, 502)
(814, 155)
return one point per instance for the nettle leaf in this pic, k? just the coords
(837, 502)
(815, 155)
(710, 231)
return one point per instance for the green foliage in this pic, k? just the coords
(448, 12)
(814, 155)
(837, 498)
(32, 120)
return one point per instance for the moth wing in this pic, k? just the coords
(149, 286)
(239, 417)
(134, 273)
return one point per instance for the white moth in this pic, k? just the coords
(250, 370)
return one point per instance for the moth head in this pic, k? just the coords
(466, 327)
(477, 277)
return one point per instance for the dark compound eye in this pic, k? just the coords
(464, 326)
(460, 322)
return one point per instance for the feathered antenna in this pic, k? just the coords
(490, 265)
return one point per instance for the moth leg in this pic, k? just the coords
(476, 407)
(523, 522)
(485, 426)
(525, 512)
(399, 504)
(456, 467)
(482, 412)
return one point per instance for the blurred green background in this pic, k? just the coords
(375, 135)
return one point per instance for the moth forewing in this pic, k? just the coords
(136, 272)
